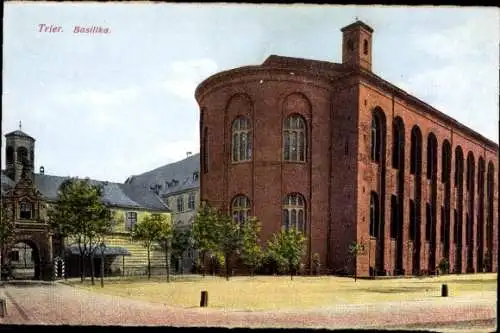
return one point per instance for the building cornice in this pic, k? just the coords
(447, 120)
(227, 77)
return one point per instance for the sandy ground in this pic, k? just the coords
(62, 304)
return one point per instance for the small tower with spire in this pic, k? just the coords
(20, 154)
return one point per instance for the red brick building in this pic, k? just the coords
(348, 157)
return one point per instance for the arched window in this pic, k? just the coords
(416, 151)
(22, 154)
(294, 212)
(242, 139)
(470, 172)
(294, 137)
(375, 151)
(398, 139)
(25, 209)
(10, 155)
(374, 214)
(240, 208)
(459, 166)
(446, 162)
(431, 156)
(365, 47)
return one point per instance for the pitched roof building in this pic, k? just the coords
(347, 157)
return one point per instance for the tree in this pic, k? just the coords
(7, 235)
(251, 251)
(355, 250)
(180, 242)
(80, 214)
(229, 238)
(287, 248)
(205, 232)
(165, 235)
(147, 231)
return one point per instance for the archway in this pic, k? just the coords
(24, 261)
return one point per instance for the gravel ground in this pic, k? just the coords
(62, 304)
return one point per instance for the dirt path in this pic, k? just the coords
(61, 304)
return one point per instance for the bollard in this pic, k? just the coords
(3, 307)
(204, 299)
(444, 290)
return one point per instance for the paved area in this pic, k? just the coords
(62, 304)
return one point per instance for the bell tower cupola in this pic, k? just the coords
(357, 45)
(20, 154)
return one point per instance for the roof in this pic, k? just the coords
(6, 183)
(108, 251)
(19, 133)
(114, 194)
(182, 171)
(357, 24)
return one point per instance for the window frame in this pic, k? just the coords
(295, 145)
(241, 140)
(294, 204)
(130, 222)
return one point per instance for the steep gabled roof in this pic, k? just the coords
(114, 194)
(181, 171)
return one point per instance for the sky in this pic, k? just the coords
(108, 106)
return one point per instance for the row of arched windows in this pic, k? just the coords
(294, 139)
(22, 155)
(294, 209)
(378, 142)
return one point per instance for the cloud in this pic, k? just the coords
(184, 76)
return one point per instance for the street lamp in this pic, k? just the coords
(102, 246)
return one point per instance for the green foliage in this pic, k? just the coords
(152, 228)
(79, 213)
(180, 241)
(287, 248)
(205, 229)
(229, 238)
(7, 234)
(251, 252)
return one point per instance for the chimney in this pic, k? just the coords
(42, 170)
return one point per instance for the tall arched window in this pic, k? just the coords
(459, 166)
(398, 143)
(22, 154)
(470, 172)
(416, 151)
(242, 139)
(294, 137)
(374, 214)
(365, 47)
(490, 185)
(431, 156)
(25, 209)
(240, 208)
(446, 162)
(376, 147)
(294, 212)
(10, 155)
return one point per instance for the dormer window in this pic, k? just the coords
(196, 176)
(25, 209)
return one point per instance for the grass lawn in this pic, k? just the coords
(279, 292)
